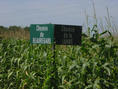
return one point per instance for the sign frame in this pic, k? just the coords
(58, 34)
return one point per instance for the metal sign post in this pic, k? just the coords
(54, 79)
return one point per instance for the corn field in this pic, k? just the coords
(93, 65)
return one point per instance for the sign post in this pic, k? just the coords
(54, 79)
(55, 34)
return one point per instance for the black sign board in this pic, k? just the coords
(67, 34)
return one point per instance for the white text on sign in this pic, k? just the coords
(42, 40)
(41, 28)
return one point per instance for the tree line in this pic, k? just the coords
(13, 28)
(14, 32)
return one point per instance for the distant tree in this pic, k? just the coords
(2, 29)
(13, 28)
(26, 28)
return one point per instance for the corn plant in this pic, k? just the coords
(93, 65)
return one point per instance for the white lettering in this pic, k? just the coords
(67, 41)
(67, 35)
(42, 40)
(41, 34)
(67, 29)
(41, 28)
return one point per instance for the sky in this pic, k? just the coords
(26, 12)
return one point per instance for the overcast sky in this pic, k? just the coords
(26, 12)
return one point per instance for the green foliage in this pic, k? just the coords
(93, 65)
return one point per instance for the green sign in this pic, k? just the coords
(55, 33)
(41, 33)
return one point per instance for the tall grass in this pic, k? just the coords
(15, 34)
(103, 24)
